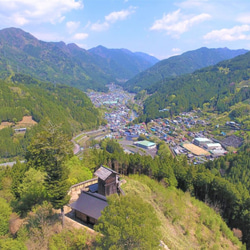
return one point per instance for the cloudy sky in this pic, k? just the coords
(161, 28)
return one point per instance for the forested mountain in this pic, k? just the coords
(188, 62)
(24, 96)
(20, 52)
(218, 87)
(123, 63)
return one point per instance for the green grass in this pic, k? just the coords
(186, 223)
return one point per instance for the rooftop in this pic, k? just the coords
(213, 145)
(103, 172)
(146, 143)
(90, 204)
(200, 139)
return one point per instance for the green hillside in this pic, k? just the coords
(217, 87)
(161, 208)
(185, 223)
(123, 63)
(20, 52)
(24, 96)
(174, 66)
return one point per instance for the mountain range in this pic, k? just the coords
(174, 66)
(217, 87)
(20, 52)
(168, 81)
(57, 62)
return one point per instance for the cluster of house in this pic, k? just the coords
(166, 126)
(173, 131)
(115, 101)
(233, 124)
(117, 118)
(114, 96)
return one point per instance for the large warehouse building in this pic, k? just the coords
(145, 144)
(202, 141)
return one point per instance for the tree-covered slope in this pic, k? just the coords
(48, 61)
(123, 63)
(218, 87)
(179, 65)
(160, 202)
(24, 96)
(20, 52)
(179, 221)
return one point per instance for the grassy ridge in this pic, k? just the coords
(186, 223)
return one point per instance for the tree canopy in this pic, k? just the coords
(128, 223)
(48, 152)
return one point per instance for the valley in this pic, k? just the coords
(176, 131)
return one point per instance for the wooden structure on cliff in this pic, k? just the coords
(108, 181)
(90, 203)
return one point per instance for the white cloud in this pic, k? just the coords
(119, 15)
(244, 18)
(19, 19)
(189, 4)
(99, 26)
(72, 26)
(176, 23)
(233, 34)
(80, 36)
(112, 18)
(20, 12)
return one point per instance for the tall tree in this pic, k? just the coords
(31, 190)
(49, 151)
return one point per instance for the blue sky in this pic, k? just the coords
(161, 28)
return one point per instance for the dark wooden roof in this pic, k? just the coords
(103, 173)
(90, 204)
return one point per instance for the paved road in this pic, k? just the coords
(77, 148)
(9, 163)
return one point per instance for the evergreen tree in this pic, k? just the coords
(49, 151)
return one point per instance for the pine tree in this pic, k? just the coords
(48, 152)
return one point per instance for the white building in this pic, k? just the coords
(199, 141)
(212, 146)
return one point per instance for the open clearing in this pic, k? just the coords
(5, 125)
(27, 121)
